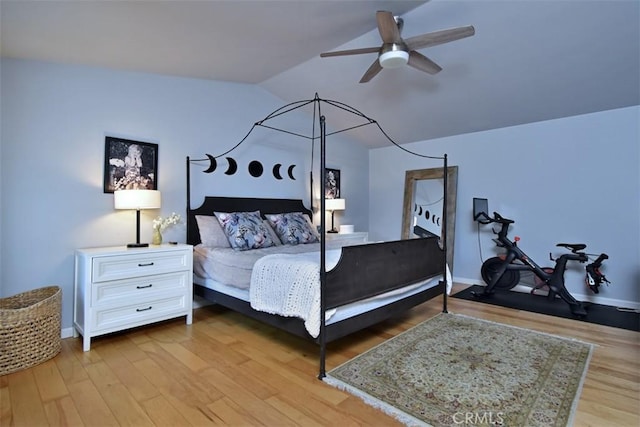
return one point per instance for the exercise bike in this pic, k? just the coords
(503, 272)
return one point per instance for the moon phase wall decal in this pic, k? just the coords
(276, 171)
(256, 169)
(427, 214)
(212, 164)
(233, 166)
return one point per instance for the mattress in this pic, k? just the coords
(233, 268)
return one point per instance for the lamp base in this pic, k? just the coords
(138, 245)
(332, 231)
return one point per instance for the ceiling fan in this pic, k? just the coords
(396, 52)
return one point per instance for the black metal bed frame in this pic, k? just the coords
(363, 270)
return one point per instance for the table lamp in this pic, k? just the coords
(137, 199)
(333, 205)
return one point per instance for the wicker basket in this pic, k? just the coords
(29, 328)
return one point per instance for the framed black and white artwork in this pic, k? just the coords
(130, 165)
(332, 183)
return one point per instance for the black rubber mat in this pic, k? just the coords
(596, 313)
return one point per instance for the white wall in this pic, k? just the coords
(54, 122)
(55, 118)
(574, 180)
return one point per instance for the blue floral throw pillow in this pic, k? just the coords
(293, 228)
(245, 230)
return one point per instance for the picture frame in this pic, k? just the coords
(130, 165)
(332, 183)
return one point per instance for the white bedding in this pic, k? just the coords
(289, 285)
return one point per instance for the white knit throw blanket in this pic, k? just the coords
(289, 285)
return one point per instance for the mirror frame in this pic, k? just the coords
(411, 176)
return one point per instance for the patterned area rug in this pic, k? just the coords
(454, 370)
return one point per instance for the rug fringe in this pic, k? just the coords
(396, 413)
(576, 400)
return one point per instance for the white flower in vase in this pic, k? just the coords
(160, 224)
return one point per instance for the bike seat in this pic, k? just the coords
(575, 247)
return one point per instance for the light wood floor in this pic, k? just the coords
(226, 369)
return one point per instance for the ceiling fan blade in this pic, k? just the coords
(374, 69)
(351, 52)
(439, 37)
(422, 63)
(388, 27)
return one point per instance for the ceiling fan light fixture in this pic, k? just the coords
(393, 59)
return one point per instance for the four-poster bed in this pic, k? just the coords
(350, 288)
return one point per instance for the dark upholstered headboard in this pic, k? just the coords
(239, 204)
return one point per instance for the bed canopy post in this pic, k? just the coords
(323, 270)
(444, 233)
(188, 194)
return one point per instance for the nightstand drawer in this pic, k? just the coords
(128, 266)
(138, 314)
(141, 288)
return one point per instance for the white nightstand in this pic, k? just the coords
(118, 288)
(355, 238)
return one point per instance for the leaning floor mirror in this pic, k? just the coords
(423, 205)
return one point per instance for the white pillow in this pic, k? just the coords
(211, 233)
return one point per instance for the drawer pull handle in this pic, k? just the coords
(145, 265)
(145, 286)
(143, 309)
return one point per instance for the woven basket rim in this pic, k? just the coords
(47, 291)
(30, 331)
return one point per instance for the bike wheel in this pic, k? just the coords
(489, 269)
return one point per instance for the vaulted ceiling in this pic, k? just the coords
(530, 60)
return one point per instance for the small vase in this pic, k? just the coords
(157, 237)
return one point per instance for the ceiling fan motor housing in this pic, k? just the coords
(393, 55)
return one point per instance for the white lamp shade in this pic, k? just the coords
(137, 199)
(334, 204)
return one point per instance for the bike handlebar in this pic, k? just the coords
(598, 262)
(497, 218)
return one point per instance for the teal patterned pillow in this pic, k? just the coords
(245, 230)
(293, 228)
